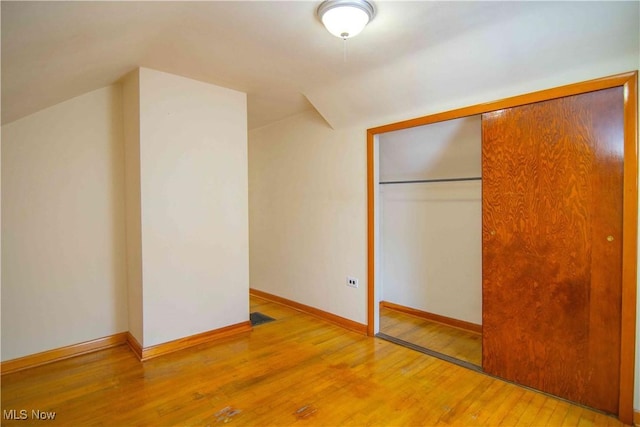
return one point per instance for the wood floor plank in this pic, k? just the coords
(544, 413)
(574, 413)
(297, 370)
(559, 413)
(531, 411)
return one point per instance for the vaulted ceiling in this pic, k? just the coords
(411, 55)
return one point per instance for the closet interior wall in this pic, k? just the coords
(430, 222)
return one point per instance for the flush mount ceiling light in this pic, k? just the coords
(345, 18)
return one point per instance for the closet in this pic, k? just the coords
(558, 237)
(430, 204)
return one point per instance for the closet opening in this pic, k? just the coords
(430, 223)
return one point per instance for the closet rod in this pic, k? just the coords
(473, 178)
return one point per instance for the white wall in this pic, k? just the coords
(431, 243)
(307, 204)
(133, 216)
(194, 208)
(70, 243)
(432, 248)
(63, 235)
(450, 149)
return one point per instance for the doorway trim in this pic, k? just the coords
(629, 82)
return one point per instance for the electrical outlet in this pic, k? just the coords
(352, 281)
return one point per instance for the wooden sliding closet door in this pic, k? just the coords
(552, 245)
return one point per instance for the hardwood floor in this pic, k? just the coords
(454, 342)
(295, 370)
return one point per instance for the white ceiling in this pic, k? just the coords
(413, 53)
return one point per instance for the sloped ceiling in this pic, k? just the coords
(412, 55)
(523, 44)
